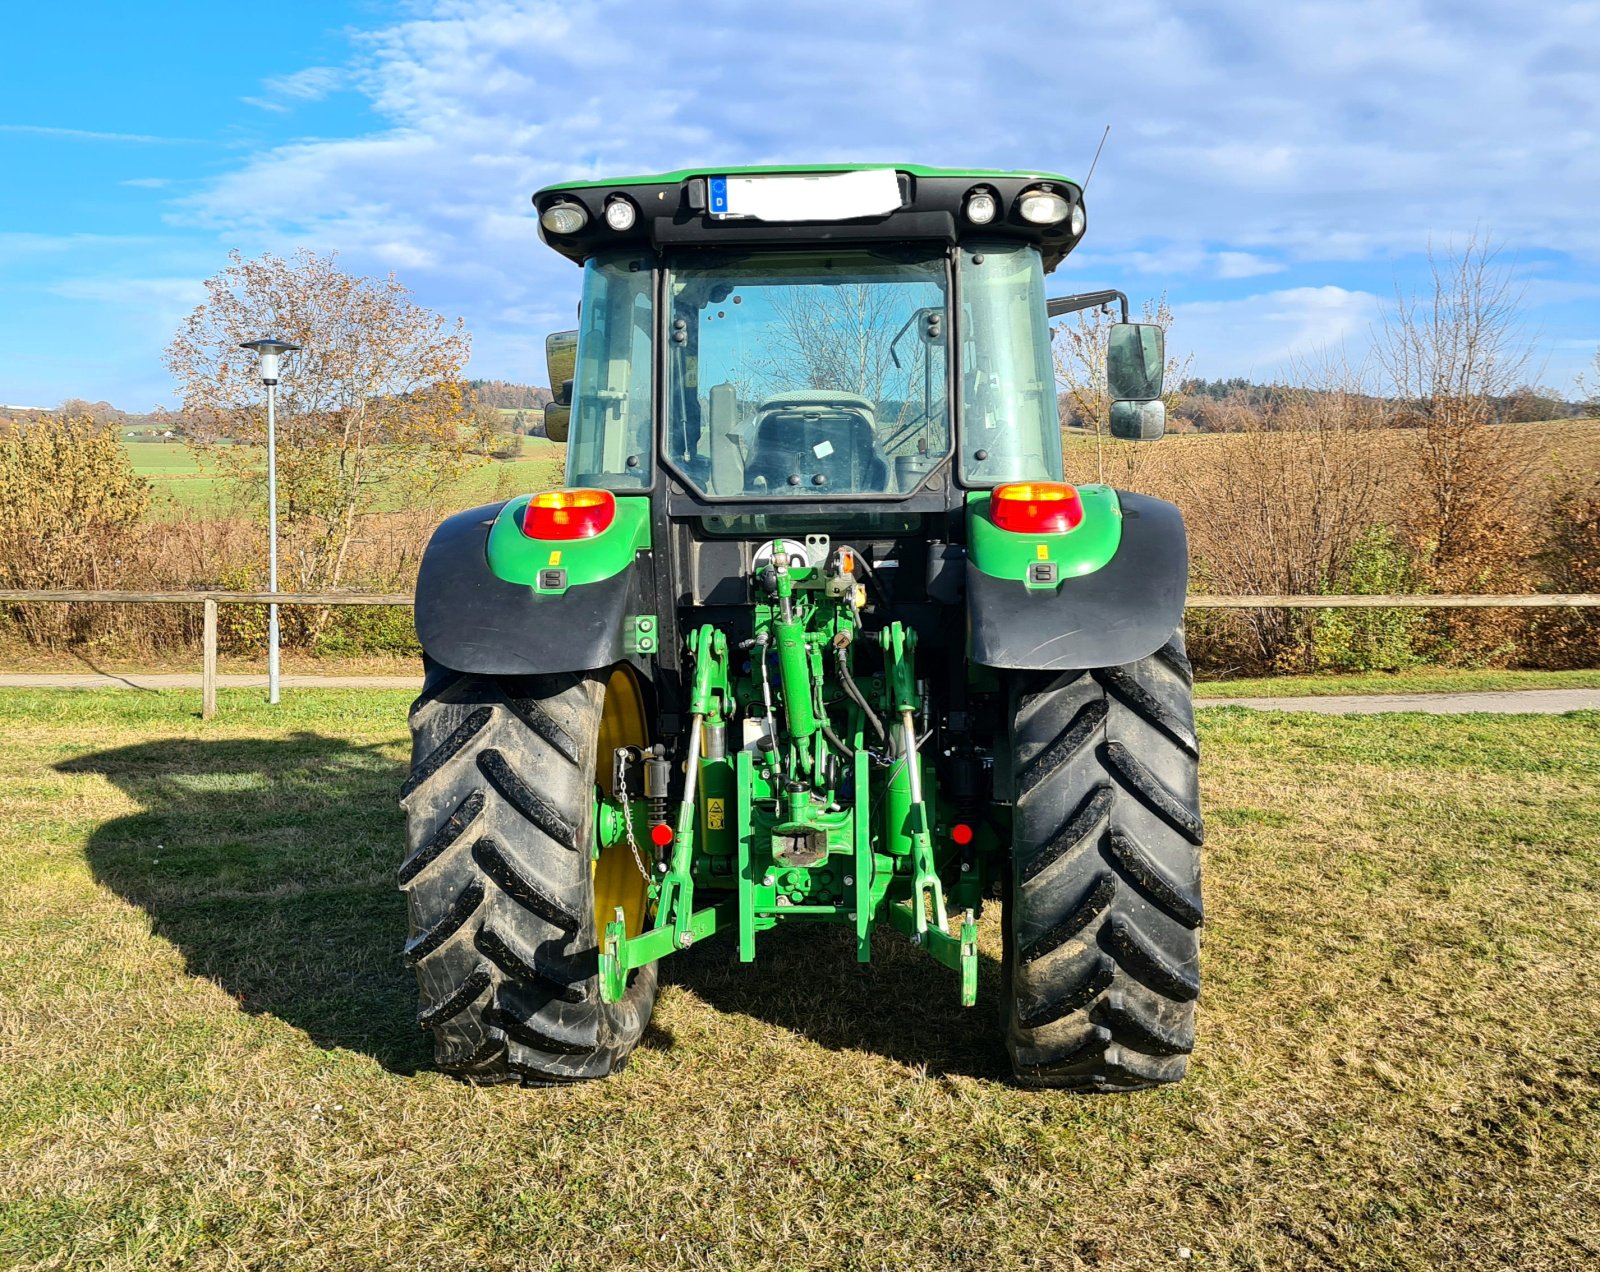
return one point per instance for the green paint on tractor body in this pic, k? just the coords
(1085, 548)
(516, 558)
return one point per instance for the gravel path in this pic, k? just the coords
(1504, 702)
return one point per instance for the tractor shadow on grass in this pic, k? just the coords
(270, 864)
(902, 1005)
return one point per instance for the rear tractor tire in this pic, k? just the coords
(501, 881)
(1102, 941)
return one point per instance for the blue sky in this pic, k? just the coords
(1277, 168)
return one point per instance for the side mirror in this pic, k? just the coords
(557, 420)
(1136, 361)
(1136, 364)
(1139, 421)
(561, 359)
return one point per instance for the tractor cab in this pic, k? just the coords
(872, 337)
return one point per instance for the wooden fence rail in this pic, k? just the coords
(210, 600)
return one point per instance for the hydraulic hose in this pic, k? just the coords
(848, 681)
(834, 741)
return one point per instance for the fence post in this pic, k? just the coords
(208, 668)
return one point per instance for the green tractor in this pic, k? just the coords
(815, 633)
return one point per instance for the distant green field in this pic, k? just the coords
(184, 483)
(157, 460)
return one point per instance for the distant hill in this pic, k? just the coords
(508, 396)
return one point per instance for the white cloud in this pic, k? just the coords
(84, 134)
(284, 92)
(1264, 337)
(1245, 140)
(310, 85)
(140, 294)
(1246, 265)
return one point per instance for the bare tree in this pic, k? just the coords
(1448, 353)
(1590, 391)
(1279, 504)
(372, 409)
(842, 338)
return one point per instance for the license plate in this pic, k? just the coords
(832, 196)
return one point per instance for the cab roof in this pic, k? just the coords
(676, 209)
(914, 169)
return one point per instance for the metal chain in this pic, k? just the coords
(619, 788)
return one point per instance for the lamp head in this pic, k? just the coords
(267, 350)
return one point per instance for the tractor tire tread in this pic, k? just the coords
(1067, 744)
(496, 863)
(1103, 906)
(1095, 902)
(532, 713)
(480, 1056)
(1140, 779)
(508, 954)
(1138, 864)
(1127, 686)
(1076, 995)
(450, 922)
(499, 810)
(449, 834)
(494, 766)
(1138, 954)
(1088, 817)
(447, 750)
(457, 1001)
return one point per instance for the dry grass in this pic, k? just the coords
(207, 1060)
(1281, 510)
(1558, 447)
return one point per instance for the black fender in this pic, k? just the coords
(470, 620)
(1121, 613)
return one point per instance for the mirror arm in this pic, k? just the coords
(1084, 300)
(896, 340)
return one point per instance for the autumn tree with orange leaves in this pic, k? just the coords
(372, 412)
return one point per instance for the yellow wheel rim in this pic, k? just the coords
(617, 881)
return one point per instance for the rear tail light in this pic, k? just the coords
(1036, 507)
(569, 514)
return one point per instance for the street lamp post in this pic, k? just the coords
(268, 350)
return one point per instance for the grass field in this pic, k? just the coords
(184, 483)
(207, 1056)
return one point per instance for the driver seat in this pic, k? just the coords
(815, 433)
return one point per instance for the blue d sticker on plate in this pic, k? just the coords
(718, 189)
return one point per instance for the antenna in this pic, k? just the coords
(1096, 159)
